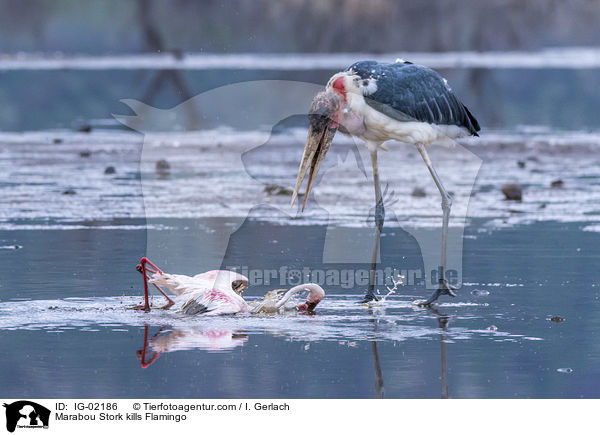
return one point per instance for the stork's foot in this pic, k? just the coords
(444, 289)
(369, 297)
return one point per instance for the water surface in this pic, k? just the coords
(69, 331)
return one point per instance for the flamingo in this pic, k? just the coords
(218, 292)
(185, 339)
(182, 285)
(273, 303)
(377, 102)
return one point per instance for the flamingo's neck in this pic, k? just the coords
(316, 293)
(287, 296)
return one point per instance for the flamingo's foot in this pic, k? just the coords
(444, 289)
(166, 306)
(141, 307)
(369, 297)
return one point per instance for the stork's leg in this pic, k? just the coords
(443, 324)
(379, 219)
(443, 321)
(379, 387)
(444, 288)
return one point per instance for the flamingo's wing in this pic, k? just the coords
(187, 339)
(205, 299)
(221, 278)
(210, 275)
(198, 295)
(192, 307)
(176, 284)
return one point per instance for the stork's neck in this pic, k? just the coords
(351, 123)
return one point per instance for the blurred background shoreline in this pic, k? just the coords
(514, 63)
(295, 26)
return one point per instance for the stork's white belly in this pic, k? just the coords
(379, 127)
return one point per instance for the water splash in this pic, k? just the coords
(397, 281)
(338, 318)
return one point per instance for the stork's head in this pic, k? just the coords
(328, 112)
(350, 82)
(323, 119)
(337, 84)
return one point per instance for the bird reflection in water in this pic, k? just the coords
(443, 320)
(187, 339)
(379, 388)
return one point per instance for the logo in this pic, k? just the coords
(26, 414)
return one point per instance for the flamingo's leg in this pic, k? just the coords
(145, 267)
(170, 302)
(379, 220)
(444, 287)
(141, 354)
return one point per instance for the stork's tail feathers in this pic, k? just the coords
(474, 127)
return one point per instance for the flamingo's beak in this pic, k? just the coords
(323, 117)
(308, 307)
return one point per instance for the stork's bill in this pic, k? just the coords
(324, 120)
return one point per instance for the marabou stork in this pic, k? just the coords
(377, 102)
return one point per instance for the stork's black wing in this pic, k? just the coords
(408, 92)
